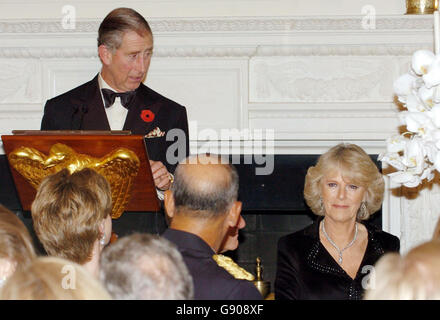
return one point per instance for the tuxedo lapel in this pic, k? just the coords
(94, 117)
(142, 101)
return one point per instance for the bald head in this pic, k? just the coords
(206, 184)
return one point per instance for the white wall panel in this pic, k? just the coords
(214, 91)
(60, 76)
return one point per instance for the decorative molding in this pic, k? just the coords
(340, 50)
(289, 24)
(48, 53)
(46, 26)
(197, 37)
(219, 52)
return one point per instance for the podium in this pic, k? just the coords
(120, 157)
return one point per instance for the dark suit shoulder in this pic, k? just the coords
(59, 112)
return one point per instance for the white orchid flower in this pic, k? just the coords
(393, 159)
(406, 178)
(432, 78)
(427, 174)
(421, 60)
(426, 97)
(396, 143)
(404, 86)
(414, 156)
(417, 122)
(436, 96)
(434, 115)
(433, 138)
(430, 149)
(414, 104)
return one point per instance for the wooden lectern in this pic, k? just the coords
(92, 144)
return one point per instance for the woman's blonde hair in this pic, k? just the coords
(67, 212)
(413, 277)
(356, 167)
(52, 278)
(15, 241)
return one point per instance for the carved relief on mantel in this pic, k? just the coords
(311, 79)
(19, 81)
(243, 24)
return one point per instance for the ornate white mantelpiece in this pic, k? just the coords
(315, 80)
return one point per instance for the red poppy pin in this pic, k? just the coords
(147, 115)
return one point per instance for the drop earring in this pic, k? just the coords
(102, 240)
(363, 211)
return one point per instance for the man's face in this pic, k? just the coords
(127, 67)
(231, 241)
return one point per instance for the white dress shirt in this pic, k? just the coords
(116, 113)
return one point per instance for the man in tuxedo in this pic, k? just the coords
(205, 217)
(116, 99)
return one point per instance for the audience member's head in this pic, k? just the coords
(145, 267)
(203, 201)
(356, 167)
(16, 247)
(415, 276)
(71, 216)
(52, 278)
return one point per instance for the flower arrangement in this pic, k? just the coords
(416, 153)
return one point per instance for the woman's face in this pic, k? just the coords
(341, 198)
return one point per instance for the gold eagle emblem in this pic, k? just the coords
(119, 167)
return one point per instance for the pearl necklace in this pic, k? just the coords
(334, 244)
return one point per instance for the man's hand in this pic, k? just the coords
(161, 175)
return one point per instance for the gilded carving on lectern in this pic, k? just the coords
(119, 167)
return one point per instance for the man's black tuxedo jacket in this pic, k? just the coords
(82, 109)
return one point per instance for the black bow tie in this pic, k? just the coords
(110, 96)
